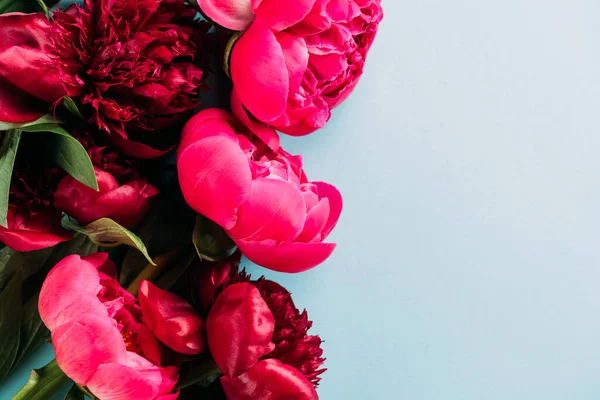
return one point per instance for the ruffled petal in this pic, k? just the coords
(281, 14)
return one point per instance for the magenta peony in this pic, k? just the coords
(258, 194)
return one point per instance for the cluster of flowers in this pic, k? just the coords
(134, 69)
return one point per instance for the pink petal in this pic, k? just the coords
(274, 209)
(296, 58)
(265, 133)
(236, 15)
(281, 14)
(315, 221)
(138, 380)
(69, 290)
(331, 193)
(239, 329)
(285, 257)
(172, 319)
(259, 72)
(209, 122)
(27, 233)
(215, 178)
(269, 380)
(82, 345)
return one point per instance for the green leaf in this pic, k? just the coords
(72, 107)
(26, 264)
(202, 372)
(8, 153)
(44, 8)
(67, 153)
(33, 331)
(10, 324)
(211, 241)
(44, 119)
(74, 393)
(107, 233)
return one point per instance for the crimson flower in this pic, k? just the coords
(130, 64)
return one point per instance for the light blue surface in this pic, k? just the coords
(468, 261)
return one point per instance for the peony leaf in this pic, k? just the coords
(44, 119)
(74, 393)
(211, 241)
(33, 331)
(72, 107)
(67, 152)
(107, 233)
(8, 153)
(10, 324)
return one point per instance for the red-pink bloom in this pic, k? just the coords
(298, 59)
(33, 222)
(269, 380)
(29, 79)
(130, 64)
(172, 319)
(256, 191)
(98, 334)
(126, 204)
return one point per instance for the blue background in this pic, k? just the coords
(468, 262)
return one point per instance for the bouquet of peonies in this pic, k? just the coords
(139, 159)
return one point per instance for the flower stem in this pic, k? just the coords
(42, 383)
(152, 272)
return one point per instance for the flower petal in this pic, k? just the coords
(27, 232)
(331, 193)
(259, 72)
(285, 257)
(269, 380)
(172, 319)
(215, 178)
(83, 344)
(236, 15)
(70, 289)
(138, 380)
(239, 329)
(274, 209)
(281, 14)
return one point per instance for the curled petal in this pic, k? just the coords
(209, 122)
(333, 195)
(239, 329)
(269, 380)
(265, 133)
(259, 72)
(236, 15)
(172, 319)
(70, 289)
(215, 178)
(27, 232)
(285, 256)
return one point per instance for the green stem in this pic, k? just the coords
(44, 8)
(42, 383)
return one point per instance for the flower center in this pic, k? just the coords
(131, 342)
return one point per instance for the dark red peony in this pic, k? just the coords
(131, 66)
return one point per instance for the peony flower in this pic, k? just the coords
(130, 65)
(98, 335)
(258, 194)
(256, 335)
(29, 80)
(33, 222)
(297, 60)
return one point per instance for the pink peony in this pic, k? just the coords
(98, 334)
(297, 60)
(258, 194)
